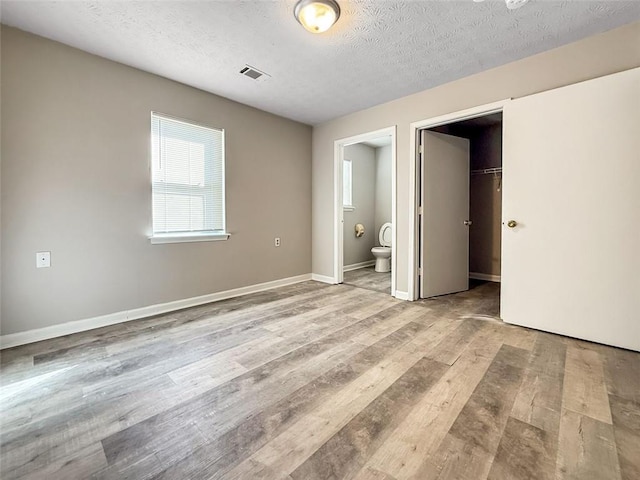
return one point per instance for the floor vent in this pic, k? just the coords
(253, 73)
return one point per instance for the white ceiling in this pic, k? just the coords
(378, 142)
(378, 51)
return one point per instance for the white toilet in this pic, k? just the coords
(383, 253)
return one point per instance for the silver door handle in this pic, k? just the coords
(467, 223)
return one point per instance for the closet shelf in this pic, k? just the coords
(486, 171)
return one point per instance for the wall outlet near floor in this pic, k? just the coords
(43, 259)
(276, 241)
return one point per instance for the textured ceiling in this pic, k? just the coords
(378, 51)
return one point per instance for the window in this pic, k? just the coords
(347, 185)
(187, 169)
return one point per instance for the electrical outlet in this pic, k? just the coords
(276, 241)
(43, 259)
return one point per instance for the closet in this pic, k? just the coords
(485, 192)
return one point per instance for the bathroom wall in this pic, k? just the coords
(357, 250)
(383, 188)
(485, 202)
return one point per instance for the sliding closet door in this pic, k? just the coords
(571, 190)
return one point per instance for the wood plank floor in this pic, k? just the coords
(313, 381)
(370, 279)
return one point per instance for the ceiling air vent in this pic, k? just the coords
(254, 73)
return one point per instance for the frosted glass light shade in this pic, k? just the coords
(317, 16)
(513, 4)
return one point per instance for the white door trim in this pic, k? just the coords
(414, 131)
(338, 229)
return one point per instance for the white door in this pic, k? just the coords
(571, 171)
(444, 231)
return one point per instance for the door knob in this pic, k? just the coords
(467, 223)
(512, 224)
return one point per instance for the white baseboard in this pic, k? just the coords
(484, 276)
(323, 278)
(356, 266)
(38, 334)
(400, 295)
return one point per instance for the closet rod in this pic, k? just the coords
(486, 171)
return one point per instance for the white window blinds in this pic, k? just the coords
(187, 177)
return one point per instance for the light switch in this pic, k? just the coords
(43, 259)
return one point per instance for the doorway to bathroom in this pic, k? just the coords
(459, 209)
(365, 210)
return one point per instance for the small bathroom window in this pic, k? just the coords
(347, 186)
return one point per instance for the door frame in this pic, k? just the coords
(414, 175)
(338, 215)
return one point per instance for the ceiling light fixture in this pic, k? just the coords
(317, 16)
(511, 4)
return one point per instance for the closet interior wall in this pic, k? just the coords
(485, 197)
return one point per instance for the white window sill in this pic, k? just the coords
(348, 208)
(188, 237)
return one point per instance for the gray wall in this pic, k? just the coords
(609, 52)
(383, 188)
(363, 162)
(75, 181)
(485, 202)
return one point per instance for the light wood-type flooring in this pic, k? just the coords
(315, 381)
(370, 279)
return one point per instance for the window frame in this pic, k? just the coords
(195, 235)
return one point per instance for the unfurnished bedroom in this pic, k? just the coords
(320, 239)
